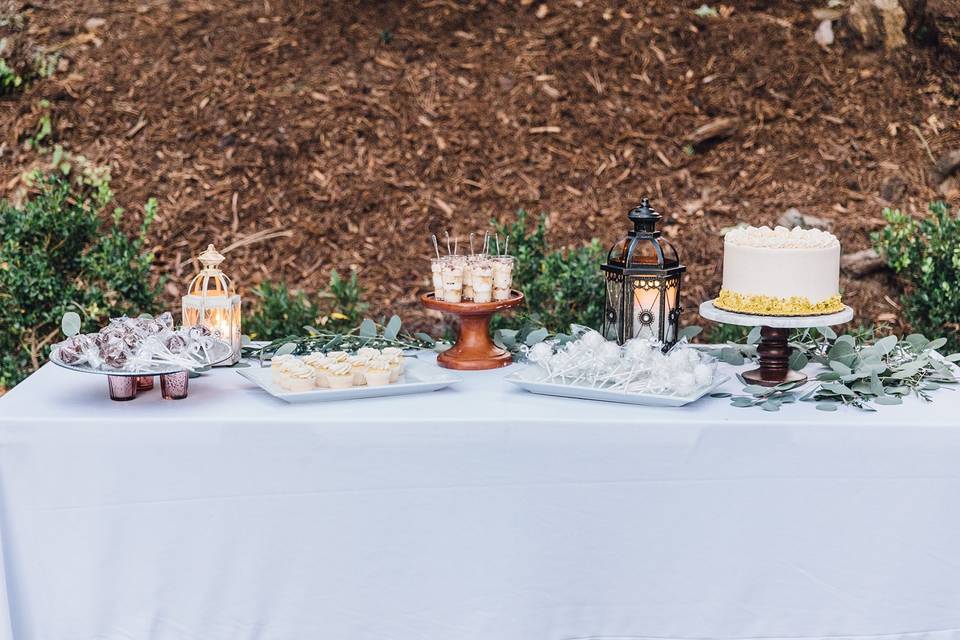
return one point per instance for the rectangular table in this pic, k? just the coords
(476, 513)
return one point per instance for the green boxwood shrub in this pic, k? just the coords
(926, 253)
(279, 312)
(562, 286)
(56, 255)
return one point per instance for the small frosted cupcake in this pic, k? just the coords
(338, 356)
(297, 376)
(392, 352)
(318, 362)
(368, 353)
(359, 367)
(340, 375)
(377, 373)
(277, 363)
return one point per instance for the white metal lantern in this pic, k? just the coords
(212, 302)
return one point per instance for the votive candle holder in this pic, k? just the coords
(122, 388)
(174, 386)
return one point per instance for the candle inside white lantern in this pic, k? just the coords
(212, 303)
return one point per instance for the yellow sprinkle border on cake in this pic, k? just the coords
(771, 306)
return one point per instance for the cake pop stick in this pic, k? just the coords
(436, 247)
(448, 241)
(471, 243)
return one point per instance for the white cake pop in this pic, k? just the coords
(592, 339)
(704, 373)
(684, 383)
(608, 353)
(540, 353)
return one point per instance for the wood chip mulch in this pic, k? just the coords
(306, 135)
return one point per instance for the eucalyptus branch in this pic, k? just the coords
(858, 370)
(368, 334)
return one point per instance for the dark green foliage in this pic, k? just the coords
(562, 287)
(56, 255)
(279, 312)
(719, 333)
(344, 302)
(927, 254)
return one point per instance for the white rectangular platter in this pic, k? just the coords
(530, 378)
(418, 377)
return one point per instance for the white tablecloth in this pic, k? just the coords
(475, 513)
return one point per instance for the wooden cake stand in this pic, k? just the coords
(773, 350)
(474, 350)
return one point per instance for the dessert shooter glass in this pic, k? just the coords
(468, 279)
(173, 386)
(482, 273)
(122, 388)
(436, 271)
(453, 280)
(502, 277)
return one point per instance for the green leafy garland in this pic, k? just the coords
(859, 370)
(368, 334)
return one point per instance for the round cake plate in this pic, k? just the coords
(773, 350)
(220, 349)
(122, 388)
(474, 350)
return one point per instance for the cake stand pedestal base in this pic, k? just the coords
(773, 351)
(774, 357)
(474, 350)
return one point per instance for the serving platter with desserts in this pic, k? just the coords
(637, 372)
(131, 351)
(337, 375)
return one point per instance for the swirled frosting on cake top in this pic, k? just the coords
(781, 238)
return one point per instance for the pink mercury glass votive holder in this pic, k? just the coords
(144, 383)
(122, 388)
(173, 386)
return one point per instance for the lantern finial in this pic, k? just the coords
(644, 217)
(211, 257)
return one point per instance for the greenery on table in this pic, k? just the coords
(561, 286)
(280, 311)
(926, 253)
(859, 370)
(56, 255)
(367, 334)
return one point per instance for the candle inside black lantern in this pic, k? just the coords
(643, 274)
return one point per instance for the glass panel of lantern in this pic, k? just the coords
(643, 276)
(212, 302)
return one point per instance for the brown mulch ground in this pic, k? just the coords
(317, 134)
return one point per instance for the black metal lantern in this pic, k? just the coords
(643, 273)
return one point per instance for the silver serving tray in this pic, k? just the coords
(221, 352)
(531, 378)
(418, 377)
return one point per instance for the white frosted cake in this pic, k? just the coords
(780, 272)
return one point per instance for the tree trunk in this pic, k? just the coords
(943, 22)
(891, 22)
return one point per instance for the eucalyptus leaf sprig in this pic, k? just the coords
(859, 370)
(368, 334)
